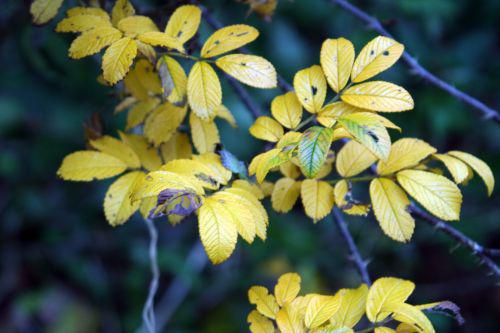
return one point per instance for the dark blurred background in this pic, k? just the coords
(64, 269)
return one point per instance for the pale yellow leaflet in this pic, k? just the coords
(378, 55)
(317, 198)
(411, 315)
(287, 288)
(118, 206)
(290, 170)
(138, 112)
(266, 128)
(157, 38)
(265, 302)
(227, 39)
(310, 87)
(93, 41)
(224, 113)
(242, 215)
(289, 320)
(177, 147)
(149, 157)
(337, 57)
(90, 165)
(482, 169)
(82, 23)
(87, 11)
(162, 123)
(352, 307)
(320, 309)
(213, 161)
(250, 187)
(252, 70)
(285, 194)
(258, 211)
(118, 58)
(178, 79)
(205, 175)
(390, 205)
(204, 134)
(204, 90)
(287, 109)
(405, 153)
(378, 96)
(456, 167)
(259, 323)
(142, 81)
(43, 11)
(353, 158)
(121, 9)
(184, 23)
(114, 147)
(133, 26)
(383, 294)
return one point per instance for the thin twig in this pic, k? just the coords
(374, 24)
(355, 256)
(477, 250)
(148, 313)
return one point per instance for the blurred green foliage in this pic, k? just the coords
(63, 269)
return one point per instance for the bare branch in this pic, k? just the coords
(478, 250)
(485, 111)
(148, 313)
(355, 256)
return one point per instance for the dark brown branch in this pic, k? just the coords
(355, 256)
(485, 111)
(477, 250)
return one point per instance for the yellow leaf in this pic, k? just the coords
(157, 181)
(87, 11)
(411, 315)
(121, 9)
(118, 206)
(265, 302)
(93, 41)
(482, 169)
(405, 153)
(204, 134)
(331, 112)
(456, 167)
(157, 38)
(378, 96)
(124, 104)
(146, 50)
(176, 148)
(43, 11)
(287, 110)
(266, 128)
(259, 323)
(178, 77)
(285, 194)
(390, 205)
(224, 113)
(436, 193)
(367, 128)
(317, 198)
(142, 80)
(213, 161)
(217, 231)
(406, 328)
(378, 55)
(204, 175)
(267, 188)
(90, 165)
(352, 307)
(337, 57)
(138, 113)
(147, 205)
(136, 25)
(290, 170)
(287, 288)
(384, 293)
(289, 320)
(250, 187)
(250, 69)
(290, 138)
(241, 213)
(162, 122)
(257, 209)
(204, 90)
(81, 23)
(320, 309)
(148, 156)
(310, 87)
(184, 23)
(118, 58)
(118, 149)
(342, 195)
(227, 39)
(353, 159)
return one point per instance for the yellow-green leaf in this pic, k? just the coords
(81, 23)
(184, 23)
(377, 56)
(353, 158)
(43, 11)
(352, 307)
(320, 309)
(217, 231)
(317, 198)
(436, 193)
(482, 169)
(287, 109)
(369, 131)
(227, 39)
(390, 205)
(313, 149)
(118, 149)
(265, 302)
(93, 41)
(90, 165)
(458, 169)
(337, 57)
(266, 128)
(259, 323)
(384, 293)
(204, 90)
(250, 69)
(285, 194)
(118, 206)
(162, 122)
(287, 288)
(378, 96)
(405, 153)
(136, 25)
(204, 134)
(118, 58)
(310, 87)
(121, 9)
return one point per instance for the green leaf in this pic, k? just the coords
(313, 149)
